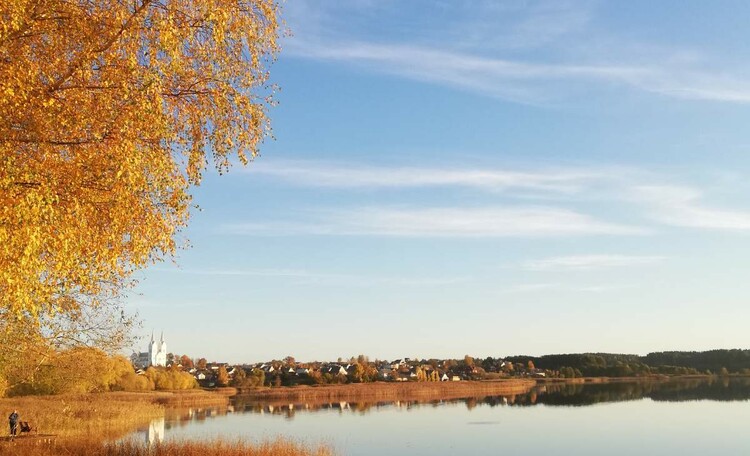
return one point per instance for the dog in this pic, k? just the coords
(25, 427)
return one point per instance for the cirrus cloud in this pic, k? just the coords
(589, 262)
(481, 222)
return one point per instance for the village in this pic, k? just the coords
(289, 372)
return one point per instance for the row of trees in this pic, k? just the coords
(86, 370)
(361, 370)
(624, 365)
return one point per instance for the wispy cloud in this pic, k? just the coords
(589, 262)
(526, 81)
(445, 222)
(643, 193)
(305, 277)
(500, 78)
(557, 286)
(312, 173)
(544, 23)
(682, 206)
(476, 45)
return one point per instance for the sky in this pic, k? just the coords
(479, 177)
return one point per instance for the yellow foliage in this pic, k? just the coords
(79, 370)
(110, 111)
(170, 379)
(23, 351)
(86, 370)
(133, 382)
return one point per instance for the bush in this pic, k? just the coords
(170, 379)
(133, 382)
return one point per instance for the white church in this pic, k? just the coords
(155, 356)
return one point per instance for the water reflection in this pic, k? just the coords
(155, 433)
(711, 389)
(569, 395)
(694, 416)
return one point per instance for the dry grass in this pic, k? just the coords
(84, 423)
(187, 398)
(382, 391)
(106, 415)
(187, 448)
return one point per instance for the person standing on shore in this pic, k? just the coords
(13, 421)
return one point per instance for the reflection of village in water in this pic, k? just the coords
(551, 394)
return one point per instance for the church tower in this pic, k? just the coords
(161, 353)
(157, 351)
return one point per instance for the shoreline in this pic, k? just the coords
(382, 391)
(649, 378)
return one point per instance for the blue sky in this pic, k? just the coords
(481, 177)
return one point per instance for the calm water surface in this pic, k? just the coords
(679, 417)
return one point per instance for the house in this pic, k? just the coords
(302, 371)
(333, 369)
(444, 378)
(400, 362)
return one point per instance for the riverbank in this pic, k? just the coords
(391, 391)
(185, 398)
(83, 424)
(105, 415)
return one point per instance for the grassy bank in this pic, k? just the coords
(189, 448)
(382, 391)
(185, 398)
(105, 415)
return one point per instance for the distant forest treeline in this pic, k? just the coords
(622, 365)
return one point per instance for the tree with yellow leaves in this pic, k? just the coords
(109, 112)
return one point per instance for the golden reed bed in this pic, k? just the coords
(83, 424)
(219, 447)
(102, 415)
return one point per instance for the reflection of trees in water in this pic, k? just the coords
(580, 395)
(719, 389)
(711, 388)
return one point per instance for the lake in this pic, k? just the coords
(696, 416)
